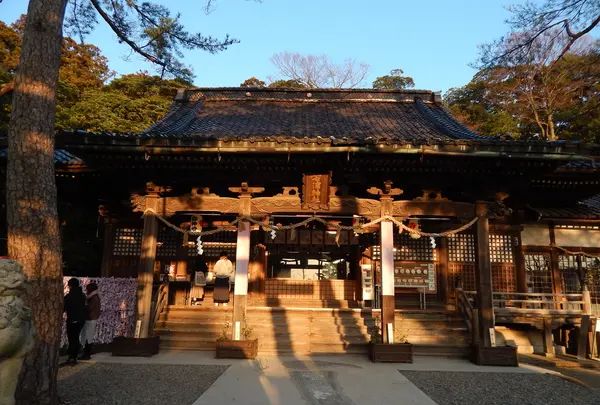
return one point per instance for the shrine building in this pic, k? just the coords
(341, 206)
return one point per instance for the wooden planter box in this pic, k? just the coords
(391, 353)
(237, 349)
(494, 356)
(143, 347)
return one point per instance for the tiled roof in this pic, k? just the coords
(341, 116)
(61, 157)
(586, 209)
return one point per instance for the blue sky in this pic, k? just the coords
(433, 41)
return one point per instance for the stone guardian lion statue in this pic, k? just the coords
(17, 333)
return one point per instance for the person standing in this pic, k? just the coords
(197, 274)
(75, 307)
(223, 270)
(89, 328)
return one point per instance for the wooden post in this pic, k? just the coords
(587, 301)
(242, 259)
(520, 265)
(483, 275)
(548, 338)
(146, 267)
(107, 248)
(556, 274)
(387, 279)
(584, 331)
(443, 272)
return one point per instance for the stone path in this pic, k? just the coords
(196, 378)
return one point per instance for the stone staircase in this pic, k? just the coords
(311, 330)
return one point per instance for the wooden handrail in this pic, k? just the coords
(539, 294)
(465, 310)
(159, 303)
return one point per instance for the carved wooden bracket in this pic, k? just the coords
(431, 195)
(152, 188)
(246, 190)
(386, 191)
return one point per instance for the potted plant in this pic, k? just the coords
(400, 351)
(246, 348)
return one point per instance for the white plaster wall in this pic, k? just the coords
(577, 237)
(535, 235)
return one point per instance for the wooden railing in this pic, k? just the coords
(160, 300)
(534, 304)
(464, 308)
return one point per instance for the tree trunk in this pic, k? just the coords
(33, 235)
(551, 133)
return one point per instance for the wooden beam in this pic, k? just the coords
(146, 267)
(483, 275)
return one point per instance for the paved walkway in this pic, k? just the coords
(321, 380)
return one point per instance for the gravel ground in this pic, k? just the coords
(132, 384)
(466, 388)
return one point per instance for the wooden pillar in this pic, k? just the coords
(257, 271)
(182, 259)
(556, 275)
(483, 275)
(387, 279)
(444, 285)
(520, 265)
(107, 253)
(146, 268)
(584, 332)
(548, 338)
(242, 259)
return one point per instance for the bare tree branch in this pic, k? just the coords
(318, 71)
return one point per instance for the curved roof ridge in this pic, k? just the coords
(179, 118)
(445, 122)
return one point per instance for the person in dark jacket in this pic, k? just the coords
(75, 307)
(89, 328)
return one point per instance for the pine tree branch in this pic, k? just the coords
(123, 37)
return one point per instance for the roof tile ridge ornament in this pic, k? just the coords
(286, 94)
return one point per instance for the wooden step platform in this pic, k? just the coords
(310, 330)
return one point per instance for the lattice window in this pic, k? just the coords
(128, 242)
(407, 248)
(571, 276)
(461, 248)
(167, 242)
(501, 249)
(466, 273)
(538, 273)
(569, 271)
(592, 265)
(504, 278)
